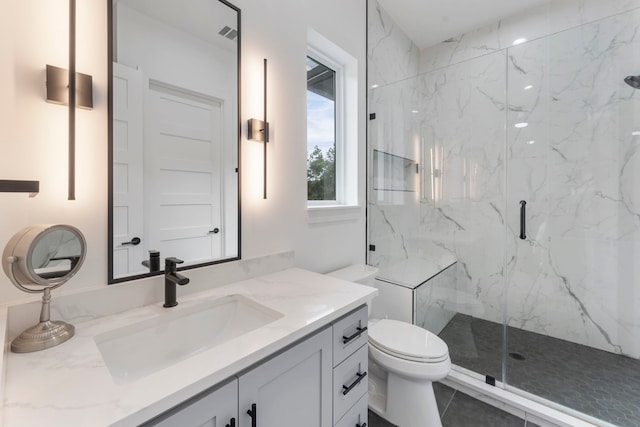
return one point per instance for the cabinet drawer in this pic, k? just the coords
(350, 382)
(357, 416)
(349, 334)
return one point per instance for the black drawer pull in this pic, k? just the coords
(253, 414)
(232, 423)
(347, 389)
(361, 425)
(358, 332)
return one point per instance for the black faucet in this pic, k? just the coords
(153, 263)
(171, 279)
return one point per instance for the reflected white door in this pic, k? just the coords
(183, 172)
(127, 170)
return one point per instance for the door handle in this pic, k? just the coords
(347, 389)
(359, 331)
(253, 414)
(214, 231)
(232, 423)
(523, 220)
(134, 242)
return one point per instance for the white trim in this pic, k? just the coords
(333, 213)
(521, 404)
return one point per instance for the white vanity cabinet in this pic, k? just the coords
(292, 389)
(318, 382)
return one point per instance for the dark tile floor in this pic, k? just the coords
(459, 410)
(594, 382)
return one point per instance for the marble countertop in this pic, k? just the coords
(70, 385)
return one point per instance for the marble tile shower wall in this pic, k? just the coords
(391, 56)
(576, 163)
(556, 16)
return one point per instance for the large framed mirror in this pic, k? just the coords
(174, 130)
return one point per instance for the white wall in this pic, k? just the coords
(33, 134)
(276, 30)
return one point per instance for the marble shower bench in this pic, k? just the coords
(418, 291)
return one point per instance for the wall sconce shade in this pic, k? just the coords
(258, 130)
(58, 87)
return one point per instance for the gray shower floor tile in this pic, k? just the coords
(467, 411)
(595, 382)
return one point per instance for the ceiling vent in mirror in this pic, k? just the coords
(228, 32)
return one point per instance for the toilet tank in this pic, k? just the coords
(358, 273)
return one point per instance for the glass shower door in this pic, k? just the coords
(462, 205)
(450, 122)
(573, 294)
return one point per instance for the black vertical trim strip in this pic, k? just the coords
(366, 136)
(265, 134)
(110, 54)
(72, 100)
(239, 135)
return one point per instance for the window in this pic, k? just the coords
(321, 132)
(332, 131)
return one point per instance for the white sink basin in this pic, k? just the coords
(140, 349)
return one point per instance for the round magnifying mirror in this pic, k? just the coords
(44, 255)
(40, 258)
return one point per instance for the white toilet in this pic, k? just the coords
(404, 360)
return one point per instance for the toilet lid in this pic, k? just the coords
(407, 340)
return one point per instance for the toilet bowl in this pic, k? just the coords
(404, 360)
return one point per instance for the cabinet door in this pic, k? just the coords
(291, 390)
(213, 409)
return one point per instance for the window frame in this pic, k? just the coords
(338, 125)
(346, 206)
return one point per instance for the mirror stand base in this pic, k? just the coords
(41, 336)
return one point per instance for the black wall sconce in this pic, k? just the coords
(66, 87)
(58, 88)
(259, 130)
(13, 186)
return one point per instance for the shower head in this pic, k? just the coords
(633, 81)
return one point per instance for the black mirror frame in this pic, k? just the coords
(111, 279)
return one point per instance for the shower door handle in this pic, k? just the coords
(523, 220)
